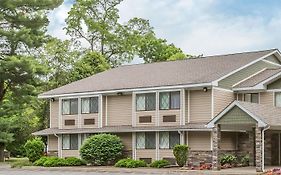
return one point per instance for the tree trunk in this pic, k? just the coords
(2, 147)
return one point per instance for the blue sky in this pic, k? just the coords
(205, 27)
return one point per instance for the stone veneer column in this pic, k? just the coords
(216, 137)
(251, 148)
(259, 148)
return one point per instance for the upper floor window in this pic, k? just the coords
(278, 99)
(169, 100)
(145, 140)
(89, 105)
(70, 141)
(70, 106)
(167, 140)
(146, 102)
(251, 97)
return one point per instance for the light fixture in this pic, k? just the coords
(119, 93)
(52, 99)
(205, 89)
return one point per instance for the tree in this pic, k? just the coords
(96, 22)
(22, 28)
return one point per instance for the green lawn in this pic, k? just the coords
(18, 162)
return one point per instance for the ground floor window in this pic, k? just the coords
(70, 141)
(167, 140)
(145, 140)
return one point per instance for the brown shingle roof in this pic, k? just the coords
(116, 129)
(182, 72)
(251, 82)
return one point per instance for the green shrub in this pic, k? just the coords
(55, 162)
(159, 163)
(73, 161)
(34, 149)
(245, 160)
(101, 149)
(130, 163)
(181, 152)
(41, 161)
(228, 159)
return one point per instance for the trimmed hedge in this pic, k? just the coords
(34, 149)
(159, 163)
(101, 149)
(57, 162)
(181, 153)
(130, 163)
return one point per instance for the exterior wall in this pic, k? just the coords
(244, 73)
(267, 98)
(200, 106)
(126, 140)
(169, 112)
(54, 114)
(119, 110)
(52, 143)
(89, 116)
(273, 59)
(70, 153)
(146, 153)
(69, 117)
(275, 85)
(228, 140)
(199, 140)
(222, 99)
(166, 153)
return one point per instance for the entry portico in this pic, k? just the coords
(256, 120)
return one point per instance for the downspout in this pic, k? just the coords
(263, 157)
(58, 145)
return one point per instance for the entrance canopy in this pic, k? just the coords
(241, 114)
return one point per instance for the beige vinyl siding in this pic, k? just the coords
(221, 100)
(119, 110)
(228, 140)
(169, 112)
(146, 113)
(244, 73)
(200, 106)
(166, 153)
(267, 98)
(90, 116)
(146, 153)
(52, 143)
(186, 107)
(69, 117)
(54, 114)
(275, 85)
(199, 140)
(126, 140)
(273, 59)
(70, 153)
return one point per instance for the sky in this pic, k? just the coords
(207, 27)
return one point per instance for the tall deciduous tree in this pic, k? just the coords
(22, 28)
(96, 22)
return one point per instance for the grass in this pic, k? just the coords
(18, 162)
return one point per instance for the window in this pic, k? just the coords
(278, 99)
(145, 140)
(252, 97)
(167, 140)
(146, 102)
(89, 105)
(70, 106)
(169, 100)
(70, 141)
